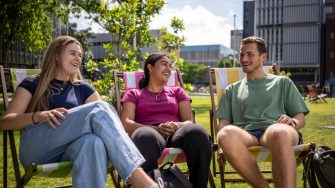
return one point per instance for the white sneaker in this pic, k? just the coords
(160, 184)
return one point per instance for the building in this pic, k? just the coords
(208, 55)
(20, 57)
(99, 52)
(248, 18)
(235, 39)
(152, 48)
(329, 18)
(292, 31)
(96, 45)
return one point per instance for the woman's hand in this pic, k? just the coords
(165, 129)
(168, 128)
(174, 125)
(51, 116)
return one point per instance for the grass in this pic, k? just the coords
(320, 115)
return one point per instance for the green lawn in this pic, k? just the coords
(320, 116)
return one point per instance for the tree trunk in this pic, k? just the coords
(6, 41)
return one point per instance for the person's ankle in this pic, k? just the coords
(157, 186)
(154, 186)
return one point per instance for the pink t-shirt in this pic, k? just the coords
(155, 108)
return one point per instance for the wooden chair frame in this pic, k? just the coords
(118, 90)
(316, 95)
(303, 149)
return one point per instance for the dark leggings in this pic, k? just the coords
(192, 139)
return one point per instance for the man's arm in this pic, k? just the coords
(297, 121)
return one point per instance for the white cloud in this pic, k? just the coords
(201, 25)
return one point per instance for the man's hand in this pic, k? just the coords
(220, 157)
(285, 119)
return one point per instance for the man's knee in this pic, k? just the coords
(279, 134)
(228, 134)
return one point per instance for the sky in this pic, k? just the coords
(206, 21)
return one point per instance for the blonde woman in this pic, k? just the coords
(64, 119)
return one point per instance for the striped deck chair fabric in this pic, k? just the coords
(54, 170)
(224, 77)
(263, 155)
(131, 80)
(17, 75)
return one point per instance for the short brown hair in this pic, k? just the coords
(261, 46)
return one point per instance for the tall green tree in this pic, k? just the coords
(172, 42)
(128, 22)
(28, 21)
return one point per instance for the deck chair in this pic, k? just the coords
(224, 77)
(130, 81)
(314, 95)
(12, 78)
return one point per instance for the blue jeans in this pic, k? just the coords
(89, 136)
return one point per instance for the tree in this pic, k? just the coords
(227, 62)
(193, 73)
(128, 22)
(29, 21)
(172, 42)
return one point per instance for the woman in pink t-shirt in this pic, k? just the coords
(158, 116)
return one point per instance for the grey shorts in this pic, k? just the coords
(259, 132)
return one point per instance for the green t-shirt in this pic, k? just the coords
(254, 104)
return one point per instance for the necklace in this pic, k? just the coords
(58, 86)
(157, 95)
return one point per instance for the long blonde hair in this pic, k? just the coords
(51, 63)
